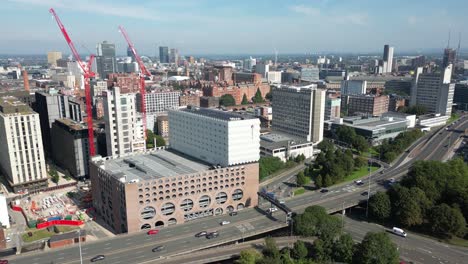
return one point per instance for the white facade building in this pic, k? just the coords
(274, 77)
(124, 126)
(263, 69)
(4, 219)
(249, 63)
(214, 136)
(74, 69)
(299, 111)
(98, 87)
(158, 103)
(22, 158)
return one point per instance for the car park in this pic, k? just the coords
(98, 258)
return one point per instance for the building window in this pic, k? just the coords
(186, 205)
(204, 201)
(237, 194)
(148, 213)
(167, 209)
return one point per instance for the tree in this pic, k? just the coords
(445, 220)
(258, 97)
(244, 100)
(316, 222)
(301, 179)
(376, 248)
(269, 96)
(321, 251)
(360, 162)
(160, 142)
(249, 256)
(54, 176)
(269, 165)
(150, 136)
(343, 249)
(227, 100)
(271, 250)
(327, 181)
(299, 250)
(406, 209)
(380, 206)
(318, 181)
(360, 144)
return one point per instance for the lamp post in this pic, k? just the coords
(79, 245)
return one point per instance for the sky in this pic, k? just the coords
(235, 26)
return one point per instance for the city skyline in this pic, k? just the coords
(208, 27)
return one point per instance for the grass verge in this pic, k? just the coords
(299, 191)
(37, 234)
(363, 171)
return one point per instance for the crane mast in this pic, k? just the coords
(143, 73)
(88, 73)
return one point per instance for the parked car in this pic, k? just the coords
(153, 232)
(364, 193)
(98, 258)
(398, 231)
(7, 239)
(201, 234)
(324, 190)
(158, 249)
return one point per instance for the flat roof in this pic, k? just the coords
(218, 114)
(153, 165)
(276, 140)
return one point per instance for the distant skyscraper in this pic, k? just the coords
(174, 56)
(434, 91)
(105, 59)
(387, 59)
(22, 160)
(53, 56)
(164, 54)
(299, 111)
(449, 57)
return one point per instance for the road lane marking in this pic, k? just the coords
(107, 248)
(107, 244)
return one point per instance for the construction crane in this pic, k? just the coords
(25, 77)
(88, 73)
(143, 73)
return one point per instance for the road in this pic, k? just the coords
(136, 248)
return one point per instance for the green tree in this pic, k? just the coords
(160, 142)
(321, 251)
(360, 162)
(258, 97)
(301, 179)
(269, 165)
(380, 206)
(299, 250)
(150, 136)
(376, 248)
(327, 180)
(343, 249)
(360, 144)
(445, 220)
(227, 100)
(269, 96)
(249, 256)
(245, 101)
(54, 176)
(316, 222)
(318, 181)
(271, 249)
(406, 209)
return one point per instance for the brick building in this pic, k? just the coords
(67, 239)
(191, 99)
(237, 91)
(366, 104)
(128, 82)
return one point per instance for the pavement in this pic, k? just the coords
(179, 239)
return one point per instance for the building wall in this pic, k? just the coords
(372, 105)
(214, 140)
(461, 96)
(160, 102)
(163, 126)
(4, 219)
(53, 56)
(332, 108)
(274, 77)
(127, 82)
(307, 150)
(353, 87)
(22, 156)
(185, 100)
(172, 192)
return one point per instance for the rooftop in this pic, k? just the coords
(11, 105)
(152, 165)
(372, 122)
(72, 124)
(217, 114)
(276, 140)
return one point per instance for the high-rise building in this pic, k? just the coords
(460, 96)
(434, 91)
(353, 87)
(419, 61)
(215, 136)
(157, 103)
(262, 68)
(70, 148)
(105, 59)
(164, 54)
(97, 87)
(274, 77)
(127, 82)
(75, 70)
(53, 56)
(124, 127)
(449, 57)
(174, 56)
(163, 126)
(249, 63)
(366, 104)
(22, 159)
(332, 108)
(299, 111)
(387, 65)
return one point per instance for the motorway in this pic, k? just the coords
(179, 239)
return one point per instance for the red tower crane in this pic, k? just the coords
(88, 73)
(143, 73)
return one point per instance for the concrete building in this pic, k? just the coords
(432, 120)
(387, 64)
(70, 147)
(127, 82)
(75, 70)
(157, 103)
(189, 99)
(262, 69)
(353, 87)
(22, 160)
(400, 87)
(124, 127)
(310, 74)
(53, 56)
(4, 216)
(164, 54)
(299, 111)
(285, 146)
(214, 136)
(105, 59)
(332, 108)
(163, 126)
(396, 102)
(460, 97)
(434, 91)
(174, 56)
(410, 119)
(163, 187)
(209, 101)
(274, 77)
(249, 63)
(97, 87)
(366, 104)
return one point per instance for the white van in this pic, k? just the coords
(399, 232)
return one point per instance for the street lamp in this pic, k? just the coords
(79, 245)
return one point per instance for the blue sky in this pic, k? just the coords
(234, 26)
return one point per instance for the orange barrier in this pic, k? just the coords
(59, 222)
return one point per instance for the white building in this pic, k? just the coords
(434, 91)
(284, 146)
(274, 77)
(4, 219)
(249, 63)
(262, 68)
(299, 111)
(214, 136)
(158, 103)
(74, 69)
(22, 159)
(353, 87)
(98, 87)
(124, 126)
(387, 62)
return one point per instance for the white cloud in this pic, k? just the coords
(95, 6)
(356, 19)
(302, 9)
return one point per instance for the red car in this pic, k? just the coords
(3, 261)
(153, 232)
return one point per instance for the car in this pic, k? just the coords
(153, 232)
(158, 248)
(233, 213)
(324, 190)
(225, 222)
(212, 235)
(282, 202)
(8, 239)
(364, 193)
(272, 209)
(399, 232)
(392, 180)
(201, 234)
(3, 261)
(359, 182)
(98, 258)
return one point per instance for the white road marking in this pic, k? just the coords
(107, 244)
(107, 248)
